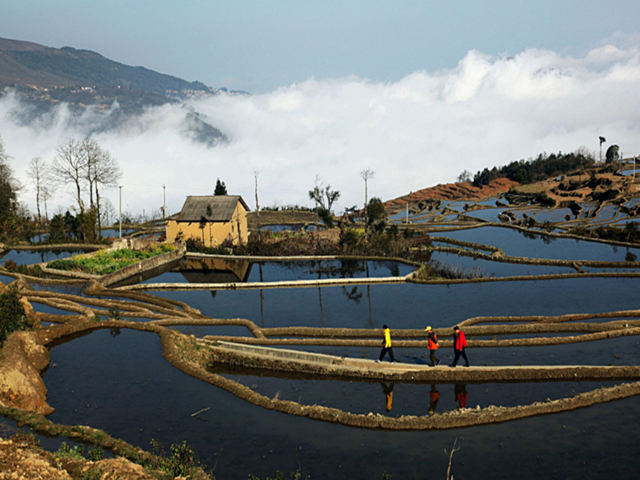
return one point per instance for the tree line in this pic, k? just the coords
(82, 165)
(14, 217)
(533, 170)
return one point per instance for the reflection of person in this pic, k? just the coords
(388, 393)
(386, 345)
(432, 346)
(460, 392)
(459, 344)
(434, 396)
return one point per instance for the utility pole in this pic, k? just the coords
(406, 215)
(366, 175)
(120, 187)
(255, 175)
(164, 201)
(602, 140)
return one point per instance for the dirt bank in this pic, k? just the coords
(21, 458)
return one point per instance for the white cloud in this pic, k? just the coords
(417, 132)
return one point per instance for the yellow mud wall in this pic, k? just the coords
(214, 232)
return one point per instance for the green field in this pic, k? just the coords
(105, 262)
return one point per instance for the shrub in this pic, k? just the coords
(75, 453)
(12, 314)
(114, 313)
(96, 453)
(11, 265)
(183, 460)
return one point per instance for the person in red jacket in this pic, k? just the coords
(459, 344)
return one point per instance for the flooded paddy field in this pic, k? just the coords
(488, 268)
(522, 244)
(29, 257)
(220, 271)
(150, 399)
(410, 305)
(118, 380)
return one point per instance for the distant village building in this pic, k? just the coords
(210, 218)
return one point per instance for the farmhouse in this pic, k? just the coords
(210, 218)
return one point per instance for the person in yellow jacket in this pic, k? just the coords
(386, 345)
(432, 346)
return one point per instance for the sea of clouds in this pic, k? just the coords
(420, 131)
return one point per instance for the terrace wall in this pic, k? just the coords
(144, 265)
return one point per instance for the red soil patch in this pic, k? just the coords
(452, 191)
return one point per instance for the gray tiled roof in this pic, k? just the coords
(222, 207)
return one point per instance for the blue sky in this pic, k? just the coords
(261, 45)
(417, 91)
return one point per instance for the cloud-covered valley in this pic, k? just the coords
(417, 132)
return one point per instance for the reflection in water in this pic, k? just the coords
(261, 296)
(370, 322)
(353, 295)
(388, 393)
(434, 397)
(320, 301)
(214, 270)
(345, 269)
(460, 392)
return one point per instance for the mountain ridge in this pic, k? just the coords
(27, 63)
(45, 77)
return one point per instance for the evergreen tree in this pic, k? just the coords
(221, 188)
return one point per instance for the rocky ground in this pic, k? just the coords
(22, 459)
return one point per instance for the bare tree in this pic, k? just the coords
(323, 195)
(108, 213)
(256, 173)
(316, 192)
(366, 175)
(47, 190)
(102, 170)
(91, 152)
(465, 176)
(37, 172)
(69, 167)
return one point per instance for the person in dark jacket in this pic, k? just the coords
(386, 345)
(459, 344)
(432, 346)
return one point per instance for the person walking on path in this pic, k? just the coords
(459, 344)
(432, 346)
(386, 345)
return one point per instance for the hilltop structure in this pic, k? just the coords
(212, 219)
